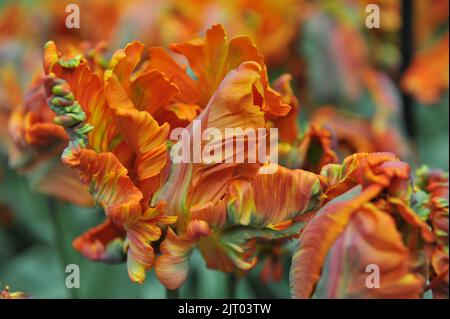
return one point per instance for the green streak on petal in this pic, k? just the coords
(71, 63)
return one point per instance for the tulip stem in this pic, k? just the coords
(59, 239)
(231, 286)
(172, 293)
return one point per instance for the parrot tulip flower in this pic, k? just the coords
(125, 164)
(366, 193)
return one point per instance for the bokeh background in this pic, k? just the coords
(389, 84)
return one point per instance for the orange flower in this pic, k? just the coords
(363, 194)
(118, 117)
(125, 161)
(353, 133)
(427, 76)
(435, 209)
(370, 238)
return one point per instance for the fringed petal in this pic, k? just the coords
(102, 243)
(173, 265)
(140, 235)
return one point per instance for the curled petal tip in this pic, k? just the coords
(48, 44)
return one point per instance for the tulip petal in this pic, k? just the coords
(102, 243)
(173, 265)
(273, 198)
(142, 133)
(287, 125)
(318, 236)
(86, 88)
(151, 92)
(232, 106)
(214, 53)
(140, 235)
(370, 240)
(160, 60)
(124, 62)
(110, 186)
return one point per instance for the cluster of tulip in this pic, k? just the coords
(94, 129)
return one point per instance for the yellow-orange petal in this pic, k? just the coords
(124, 62)
(142, 133)
(152, 91)
(140, 235)
(273, 199)
(110, 186)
